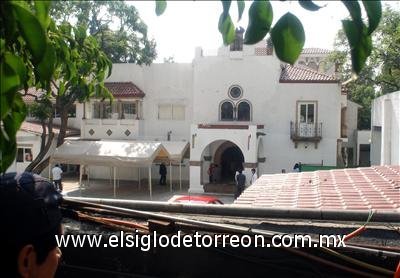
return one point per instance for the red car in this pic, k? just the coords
(195, 200)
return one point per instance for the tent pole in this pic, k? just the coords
(115, 190)
(140, 184)
(111, 171)
(170, 176)
(180, 176)
(80, 175)
(150, 187)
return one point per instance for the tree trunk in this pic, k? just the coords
(64, 124)
(44, 145)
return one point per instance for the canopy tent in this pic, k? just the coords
(120, 154)
(176, 151)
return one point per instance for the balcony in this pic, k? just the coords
(303, 132)
(126, 129)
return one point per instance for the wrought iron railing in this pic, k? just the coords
(306, 132)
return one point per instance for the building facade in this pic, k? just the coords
(385, 130)
(241, 108)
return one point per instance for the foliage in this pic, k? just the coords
(35, 52)
(288, 33)
(24, 51)
(117, 27)
(381, 74)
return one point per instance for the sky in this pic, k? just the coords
(188, 24)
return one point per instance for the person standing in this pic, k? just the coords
(57, 173)
(210, 173)
(163, 174)
(254, 176)
(241, 183)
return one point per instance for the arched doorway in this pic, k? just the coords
(229, 159)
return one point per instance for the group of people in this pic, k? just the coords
(240, 180)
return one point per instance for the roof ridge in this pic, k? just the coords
(310, 70)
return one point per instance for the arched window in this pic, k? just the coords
(244, 111)
(226, 111)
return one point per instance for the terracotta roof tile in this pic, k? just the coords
(376, 187)
(36, 127)
(124, 89)
(118, 89)
(314, 50)
(299, 74)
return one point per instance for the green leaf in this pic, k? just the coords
(374, 13)
(32, 32)
(46, 67)
(9, 79)
(309, 5)
(160, 7)
(226, 28)
(288, 38)
(260, 20)
(11, 123)
(360, 44)
(241, 5)
(226, 5)
(17, 64)
(355, 11)
(42, 11)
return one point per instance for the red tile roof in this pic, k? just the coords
(299, 74)
(314, 50)
(376, 187)
(124, 89)
(118, 89)
(36, 128)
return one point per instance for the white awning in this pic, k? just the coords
(109, 153)
(176, 149)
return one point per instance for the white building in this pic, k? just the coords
(240, 108)
(385, 130)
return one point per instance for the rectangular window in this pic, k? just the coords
(20, 155)
(24, 155)
(178, 112)
(307, 113)
(128, 110)
(171, 112)
(165, 111)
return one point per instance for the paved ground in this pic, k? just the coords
(130, 190)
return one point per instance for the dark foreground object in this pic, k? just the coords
(208, 262)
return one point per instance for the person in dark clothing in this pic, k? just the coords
(241, 183)
(163, 174)
(31, 218)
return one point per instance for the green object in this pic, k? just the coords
(260, 20)
(311, 168)
(288, 38)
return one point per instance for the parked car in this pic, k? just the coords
(195, 199)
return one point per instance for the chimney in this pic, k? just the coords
(237, 44)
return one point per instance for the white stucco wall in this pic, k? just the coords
(203, 84)
(385, 145)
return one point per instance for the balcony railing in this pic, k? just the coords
(303, 132)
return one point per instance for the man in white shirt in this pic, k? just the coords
(56, 171)
(253, 176)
